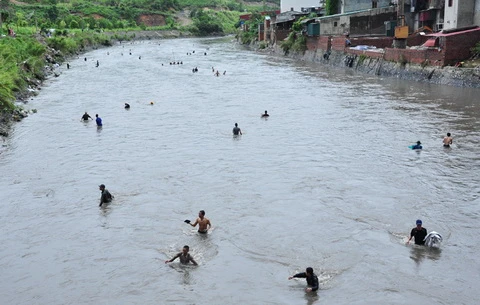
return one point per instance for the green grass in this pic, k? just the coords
(20, 58)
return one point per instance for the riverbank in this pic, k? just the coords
(448, 75)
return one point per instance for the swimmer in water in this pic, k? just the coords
(265, 115)
(417, 146)
(127, 106)
(312, 279)
(236, 130)
(203, 223)
(184, 256)
(448, 140)
(86, 116)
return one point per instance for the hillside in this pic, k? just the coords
(199, 16)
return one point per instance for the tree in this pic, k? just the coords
(52, 13)
(331, 7)
(4, 8)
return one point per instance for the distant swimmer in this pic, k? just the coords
(139, 57)
(312, 279)
(203, 223)
(265, 115)
(224, 72)
(205, 53)
(417, 146)
(127, 106)
(448, 140)
(86, 116)
(213, 69)
(419, 233)
(106, 196)
(236, 130)
(68, 65)
(184, 257)
(217, 73)
(85, 59)
(98, 64)
(98, 120)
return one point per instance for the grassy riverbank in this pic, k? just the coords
(28, 58)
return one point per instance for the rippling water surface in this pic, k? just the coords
(327, 181)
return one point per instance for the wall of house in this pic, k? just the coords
(322, 43)
(476, 13)
(338, 25)
(459, 14)
(286, 5)
(457, 47)
(433, 57)
(281, 34)
(371, 22)
(357, 5)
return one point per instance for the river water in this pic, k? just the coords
(327, 181)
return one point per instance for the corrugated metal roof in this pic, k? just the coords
(440, 34)
(353, 12)
(288, 16)
(430, 43)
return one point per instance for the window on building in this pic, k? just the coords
(374, 3)
(450, 3)
(335, 23)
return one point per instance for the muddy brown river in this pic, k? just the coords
(327, 181)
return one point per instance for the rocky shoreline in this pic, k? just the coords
(449, 76)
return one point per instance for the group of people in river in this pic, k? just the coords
(98, 120)
(447, 142)
(204, 225)
(238, 132)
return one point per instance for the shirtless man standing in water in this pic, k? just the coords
(448, 140)
(203, 223)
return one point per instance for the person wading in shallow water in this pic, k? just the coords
(448, 140)
(419, 233)
(184, 257)
(236, 130)
(86, 116)
(203, 223)
(98, 120)
(106, 196)
(312, 279)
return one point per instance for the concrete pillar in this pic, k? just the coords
(399, 43)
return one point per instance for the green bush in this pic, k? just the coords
(476, 49)
(300, 44)
(287, 44)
